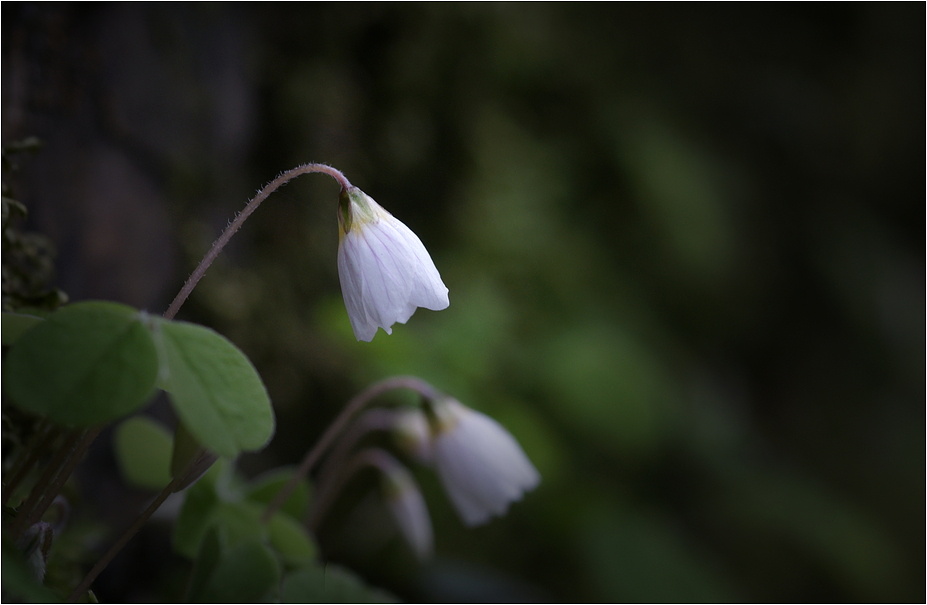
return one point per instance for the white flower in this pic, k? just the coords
(412, 434)
(408, 507)
(482, 467)
(385, 271)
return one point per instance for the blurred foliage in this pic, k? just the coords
(27, 257)
(684, 247)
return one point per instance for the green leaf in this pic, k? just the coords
(238, 522)
(216, 391)
(330, 584)
(203, 509)
(196, 514)
(185, 448)
(143, 451)
(88, 363)
(264, 488)
(291, 540)
(287, 534)
(205, 564)
(246, 575)
(15, 325)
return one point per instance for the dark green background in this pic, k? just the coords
(684, 247)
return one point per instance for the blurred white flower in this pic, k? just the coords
(482, 467)
(385, 271)
(35, 544)
(408, 507)
(413, 435)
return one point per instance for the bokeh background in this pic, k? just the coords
(684, 247)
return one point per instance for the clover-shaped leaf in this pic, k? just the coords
(88, 363)
(216, 391)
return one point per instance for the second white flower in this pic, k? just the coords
(482, 467)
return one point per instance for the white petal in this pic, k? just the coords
(385, 273)
(411, 515)
(429, 291)
(482, 467)
(392, 274)
(413, 435)
(352, 289)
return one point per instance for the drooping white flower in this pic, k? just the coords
(482, 467)
(385, 271)
(413, 435)
(406, 503)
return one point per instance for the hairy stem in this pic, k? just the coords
(354, 406)
(237, 222)
(181, 297)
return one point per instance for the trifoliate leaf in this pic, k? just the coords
(15, 325)
(216, 391)
(143, 451)
(88, 363)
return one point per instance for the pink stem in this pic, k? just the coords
(328, 437)
(236, 224)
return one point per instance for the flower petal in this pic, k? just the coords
(411, 514)
(385, 270)
(482, 467)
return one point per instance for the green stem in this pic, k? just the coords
(236, 224)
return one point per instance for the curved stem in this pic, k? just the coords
(374, 456)
(47, 496)
(354, 406)
(133, 529)
(377, 419)
(237, 222)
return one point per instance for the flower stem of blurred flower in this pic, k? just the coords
(353, 407)
(400, 490)
(377, 419)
